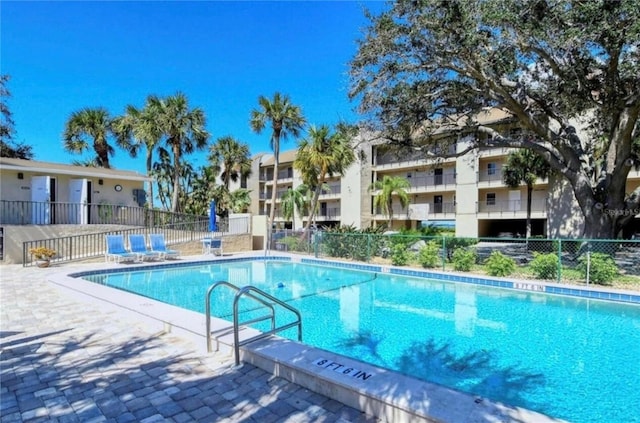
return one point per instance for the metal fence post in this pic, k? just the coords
(559, 260)
(444, 253)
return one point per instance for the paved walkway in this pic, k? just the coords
(66, 361)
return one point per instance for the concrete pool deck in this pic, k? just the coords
(92, 356)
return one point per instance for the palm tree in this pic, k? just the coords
(388, 187)
(200, 191)
(230, 159)
(286, 119)
(163, 174)
(183, 130)
(90, 125)
(294, 200)
(137, 129)
(239, 200)
(320, 156)
(525, 166)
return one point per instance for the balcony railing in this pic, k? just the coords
(434, 209)
(415, 156)
(493, 175)
(58, 213)
(511, 206)
(285, 174)
(329, 213)
(432, 180)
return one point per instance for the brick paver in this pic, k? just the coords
(62, 360)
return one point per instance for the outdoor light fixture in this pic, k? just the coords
(20, 175)
(100, 182)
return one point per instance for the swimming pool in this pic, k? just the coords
(572, 358)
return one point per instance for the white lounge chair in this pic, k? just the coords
(158, 245)
(116, 250)
(138, 245)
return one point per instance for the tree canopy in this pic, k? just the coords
(567, 71)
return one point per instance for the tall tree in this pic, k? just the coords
(239, 200)
(16, 150)
(230, 159)
(183, 131)
(554, 65)
(388, 187)
(136, 129)
(292, 201)
(323, 155)
(286, 120)
(7, 126)
(163, 175)
(90, 128)
(525, 166)
(201, 190)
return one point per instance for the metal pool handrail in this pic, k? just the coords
(235, 288)
(236, 325)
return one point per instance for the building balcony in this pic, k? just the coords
(333, 191)
(494, 178)
(511, 209)
(494, 152)
(446, 182)
(436, 211)
(331, 213)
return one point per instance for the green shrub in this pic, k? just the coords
(349, 242)
(602, 268)
(295, 243)
(463, 259)
(400, 255)
(545, 266)
(452, 244)
(429, 255)
(500, 265)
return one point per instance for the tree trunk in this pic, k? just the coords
(149, 169)
(176, 178)
(312, 212)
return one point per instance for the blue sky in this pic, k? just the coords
(65, 56)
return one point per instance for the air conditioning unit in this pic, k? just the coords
(140, 197)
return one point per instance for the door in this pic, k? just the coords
(40, 197)
(79, 199)
(514, 201)
(437, 176)
(437, 203)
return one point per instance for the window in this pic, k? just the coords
(491, 199)
(492, 168)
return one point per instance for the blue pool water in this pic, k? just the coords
(576, 359)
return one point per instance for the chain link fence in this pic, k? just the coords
(605, 262)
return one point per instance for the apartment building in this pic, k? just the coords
(466, 193)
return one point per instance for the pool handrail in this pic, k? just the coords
(207, 306)
(246, 290)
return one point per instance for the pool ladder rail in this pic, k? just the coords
(259, 296)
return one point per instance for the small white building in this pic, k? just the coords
(37, 196)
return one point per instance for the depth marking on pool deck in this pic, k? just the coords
(342, 369)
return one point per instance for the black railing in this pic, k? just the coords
(58, 213)
(79, 247)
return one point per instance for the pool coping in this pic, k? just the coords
(390, 395)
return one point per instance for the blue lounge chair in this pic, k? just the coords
(158, 245)
(138, 245)
(116, 250)
(212, 246)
